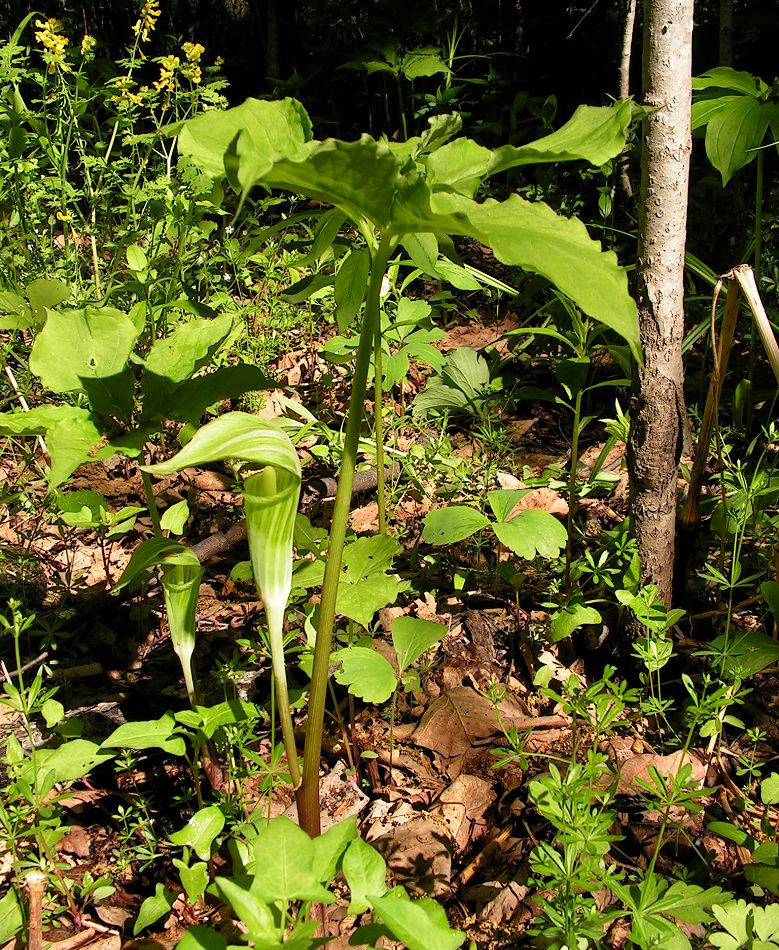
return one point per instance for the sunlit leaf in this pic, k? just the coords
(366, 673)
(532, 532)
(452, 524)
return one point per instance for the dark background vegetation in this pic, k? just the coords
(543, 47)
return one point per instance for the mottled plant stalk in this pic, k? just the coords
(308, 794)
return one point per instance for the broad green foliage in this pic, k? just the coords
(463, 386)
(527, 533)
(201, 830)
(746, 925)
(93, 351)
(285, 865)
(398, 190)
(736, 110)
(370, 675)
(10, 916)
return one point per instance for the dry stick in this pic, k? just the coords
(23, 403)
(691, 513)
(745, 277)
(746, 280)
(35, 882)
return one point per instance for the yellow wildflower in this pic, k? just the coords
(49, 35)
(169, 67)
(88, 43)
(193, 51)
(150, 13)
(125, 96)
(191, 69)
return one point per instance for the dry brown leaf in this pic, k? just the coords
(458, 719)
(77, 841)
(463, 807)
(478, 336)
(509, 482)
(419, 856)
(365, 519)
(340, 798)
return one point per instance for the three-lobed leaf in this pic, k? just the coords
(374, 182)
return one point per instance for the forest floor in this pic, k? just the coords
(440, 782)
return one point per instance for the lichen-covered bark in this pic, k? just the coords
(657, 405)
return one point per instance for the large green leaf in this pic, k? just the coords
(743, 653)
(88, 350)
(159, 733)
(11, 918)
(253, 911)
(532, 532)
(72, 433)
(270, 128)
(47, 292)
(178, 356)
(530, 235)
(284, 865)
(593, 134)
(201, 830)
(735, 131)
(369, 556)
(412, 636)
(726, 78)
(372, 181)
(452, 524)
(360, 601)
(350, 285)
(72, 442)
(188, 401)
(329, 848)
(365, 871)
(420, 925)
(67, 763)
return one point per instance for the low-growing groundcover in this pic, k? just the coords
(485, 757)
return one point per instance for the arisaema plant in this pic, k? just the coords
(271, 493)
(416, 195)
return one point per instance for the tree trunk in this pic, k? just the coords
(657, 404)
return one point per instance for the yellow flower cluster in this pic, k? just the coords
(150, 13)
(54, 42)
(124, 95)
(88, 44)
(191, 69)
(168, 70)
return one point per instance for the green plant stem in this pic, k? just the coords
(308, 793)
(401, 107)
(378, 425)
(577, 414)
(275, 617)
(152, 505)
